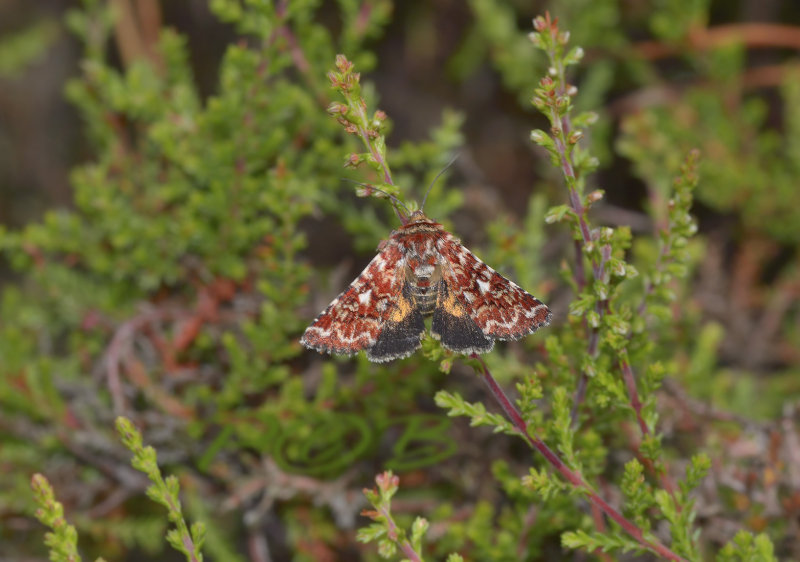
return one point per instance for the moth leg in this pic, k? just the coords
(453, 327)
(401, 333)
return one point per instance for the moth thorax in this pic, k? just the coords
(424, 270)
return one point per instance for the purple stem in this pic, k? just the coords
(598, 267)
(570, 475)
(405, 545)
(633, 395)
(580, 274)
(387, 175)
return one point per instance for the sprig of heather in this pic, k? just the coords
(554, 98)
(385, 530)
(602, 247)
(164, 491)
(353, 116)
(607, 324)
(641, 539)
(673, 241)
(63, 540)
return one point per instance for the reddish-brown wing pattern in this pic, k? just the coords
(355, 319)
(421, 271)
(500, 308)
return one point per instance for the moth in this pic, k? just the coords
(422, 270)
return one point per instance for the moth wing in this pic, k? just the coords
(453, 326)
(356, 318)
(401, 333)
(500, 308)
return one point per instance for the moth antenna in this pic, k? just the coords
(379, 190)
(447, 167)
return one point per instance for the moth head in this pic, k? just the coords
(417, 216)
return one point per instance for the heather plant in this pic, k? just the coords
(592, 361)
(208, 230)
(595, 347)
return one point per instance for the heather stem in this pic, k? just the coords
(636, 404)
(633, 395)
(405, 545)
(561, 130)
(573, 477)
(364, 133)
(353, 116)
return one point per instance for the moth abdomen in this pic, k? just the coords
(424, 297)
(423, 279)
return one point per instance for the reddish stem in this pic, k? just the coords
(573, 477)
(636, 404)
(633, 395)
(580, 274)
(404, 545)
(363, 131)
(576, 203)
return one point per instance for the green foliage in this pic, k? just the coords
(677, 507)
(385, 531)
(638, 492)
(184, 250)
(746, 547)
(599, 541)
(63, 541)
(477, 413)
(604, 340)
(23, 48)
(757, 169)
(165, 492)
(176, 287)
(612, 326)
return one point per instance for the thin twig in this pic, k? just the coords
(573, 477)
(561, 135)
(404, 545)
(752, 35)
(633, 395)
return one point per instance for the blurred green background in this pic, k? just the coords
(179, 197)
